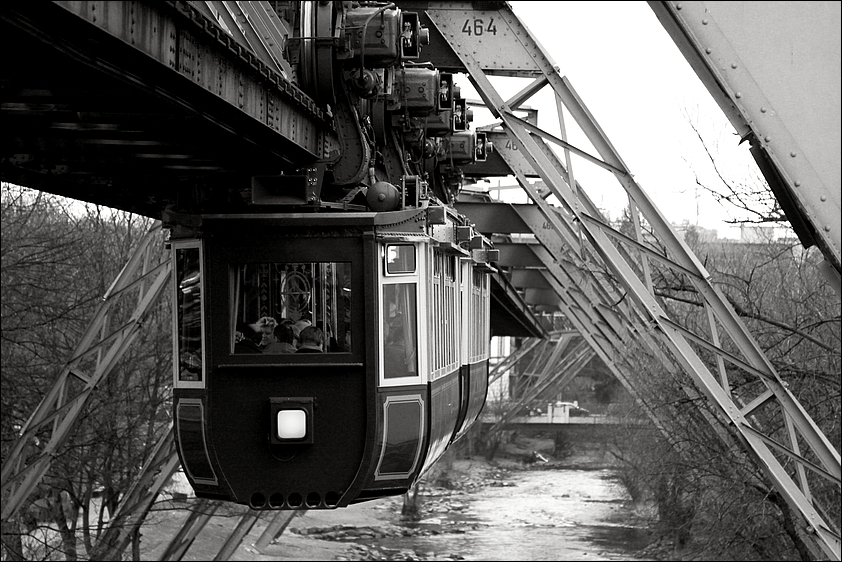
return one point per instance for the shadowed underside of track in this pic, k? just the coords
(90, 116)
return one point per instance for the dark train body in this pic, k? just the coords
(363, 245)
(402, 298)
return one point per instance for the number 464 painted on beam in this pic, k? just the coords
(479, 27)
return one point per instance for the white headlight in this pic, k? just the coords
(292, 424)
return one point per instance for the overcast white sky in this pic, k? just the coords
(638, 86)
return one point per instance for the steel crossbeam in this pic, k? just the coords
(512, 359)
(630, 267)
(200, 514)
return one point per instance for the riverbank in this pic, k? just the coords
(350, 533)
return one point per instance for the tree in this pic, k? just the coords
(58, 259)
(749, 197)
(697, 480)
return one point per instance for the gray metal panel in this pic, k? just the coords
(486, 27)
(496, 218)
(518, 255)
(774, 69)
(530, 278)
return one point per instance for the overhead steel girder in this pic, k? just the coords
(616, 315)
(254, 24)
(549, 254)
(475, 55)
(510, 313)
(530, 279)
(529, 220)
(133, 101)
(587, 314)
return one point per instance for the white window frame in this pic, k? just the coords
(420, 313)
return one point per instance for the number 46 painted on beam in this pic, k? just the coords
(479, 27)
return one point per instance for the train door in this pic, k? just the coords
(402, 391)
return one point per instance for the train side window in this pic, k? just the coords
(275, 301)
(187, 316)
(400, 259)
(400, 342)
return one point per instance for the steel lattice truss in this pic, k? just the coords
(579, 243)
(143, 278)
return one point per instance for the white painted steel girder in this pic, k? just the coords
(774, 69)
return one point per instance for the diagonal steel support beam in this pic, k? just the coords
(135, 504)
(275, 528)
(512, 359)
(238, 534)
(200, 513)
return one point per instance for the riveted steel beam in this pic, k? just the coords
(768, 81)
(135, 105)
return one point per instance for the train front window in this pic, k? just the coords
(296, 307)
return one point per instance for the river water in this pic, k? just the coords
(561, 514)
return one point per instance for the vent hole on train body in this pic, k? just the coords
(257, 501)
(314, 499)
(294, 500)
(332, 499)
(276, 501)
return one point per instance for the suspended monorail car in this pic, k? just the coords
(402, 301)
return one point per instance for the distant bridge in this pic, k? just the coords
(557, 422)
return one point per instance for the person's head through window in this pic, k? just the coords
(304, 320)
(284, 339)
(251, 338)
(267, 327)
(284, 333)
(311, 340)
